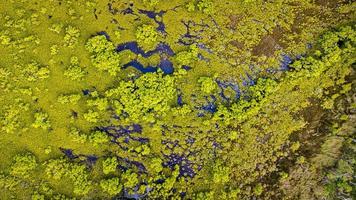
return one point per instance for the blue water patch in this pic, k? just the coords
(136, 49)
(86, 92)
(136, 195)
(186, 68)
(150, 14)
(68, 153)
(284, 64)
(248, 80)
(104, 34)
(200, 114)
(190, 140)
(126, 164)
(89, 160)
(185, 165)
(164, 48)
(203, 108)
(271, 70)
(166, 66)
(153, 15)
(127, 11)
(137, 65)
(132, 46)
(201, 57)
(185, 43)
(188, 36)
(225, 85)
(204, 47)
(188, 39)
(286, 61)
(137, 164)
(124, 132)
(211, 105)
(134, 128)
(180, 100)
(115, 11)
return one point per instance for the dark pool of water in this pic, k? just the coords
(104, 34)
(89, 160)
(135, 48)
(124, 132)
(210, 107)
(153, 15)
(86, 92)
(225, 85)
(187, 68)
(150, 14)
(165, 65)
(137, 65)
(248, 80)
(135, 195)
(163, 49)
(285, 63)
(68, 153)
(185, 166)
(180, 100)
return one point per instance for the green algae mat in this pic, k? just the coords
(179, 99)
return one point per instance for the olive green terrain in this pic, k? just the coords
(261, 103)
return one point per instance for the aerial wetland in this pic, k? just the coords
(178, 99)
